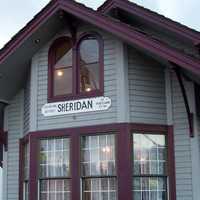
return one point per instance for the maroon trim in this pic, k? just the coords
(21, 171)
(117, 28)
(151, 17)
(148, 127)
(183, 91)
(197, 98)
(75, 166)
(123, 133)
(22, 143)
(124, 163)
(33, 168)
(171, 164)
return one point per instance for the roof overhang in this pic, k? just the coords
(152, 18)
(16, 55)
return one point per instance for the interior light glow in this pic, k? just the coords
(106, 149)
(59, 73)
(143, 159)
(88, 89)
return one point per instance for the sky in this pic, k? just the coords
(21, 11)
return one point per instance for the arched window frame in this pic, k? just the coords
(99, 39)
(51, 63)
(76, 94)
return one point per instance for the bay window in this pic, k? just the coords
(85, 164)
(54, 169)
(75, 67)
(98, 167)
(149, 167)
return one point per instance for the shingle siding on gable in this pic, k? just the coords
(182, 145)
(15, 131)
(146, 89)
(110, 88)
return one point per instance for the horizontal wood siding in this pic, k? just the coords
(182, 145)
(15, 130)
(146, 89)
(27, 106)
(198, 128)
(85, 119)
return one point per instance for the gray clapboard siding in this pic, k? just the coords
(27, 106)
(182, 145)
(110, 89)
(15, 112)
(198, 128)
(146, 89)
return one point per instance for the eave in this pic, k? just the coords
(152, 18)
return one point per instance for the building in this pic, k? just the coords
(100, 105)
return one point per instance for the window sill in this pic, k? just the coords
(69, 97)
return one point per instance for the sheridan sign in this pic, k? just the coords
(76, 106)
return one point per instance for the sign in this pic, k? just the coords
(76, 106)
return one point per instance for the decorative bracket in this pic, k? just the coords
(4, 139)
(190, 115)
(3, 142)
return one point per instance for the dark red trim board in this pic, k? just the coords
(171, 164)
(123, 134)
(186, 101)
(21, 168)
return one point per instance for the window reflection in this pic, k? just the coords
(89, 64)
(54, 158)
(98, 160)
(63, 68)
(149, 181)
(54, 169)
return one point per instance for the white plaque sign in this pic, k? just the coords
(76, 106)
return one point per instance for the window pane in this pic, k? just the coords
(26, 162)
(149, 154)
(99, 189)
(98, 155)
(26, 190)
(55, 189)
(54, 157)
(63, 81)
(89, 65)
(149, 188)
(63, 68)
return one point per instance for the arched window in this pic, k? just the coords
(76, 68)
(60, 67)
(90, 63)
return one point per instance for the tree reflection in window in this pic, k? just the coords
(89, 64)
(62, 67)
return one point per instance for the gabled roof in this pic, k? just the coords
(121, 30)
(152, 17)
